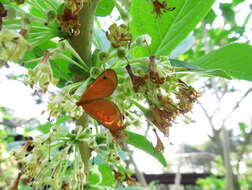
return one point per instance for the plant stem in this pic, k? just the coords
(82, 42)
(82, 45)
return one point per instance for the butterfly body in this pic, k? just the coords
(93, 102)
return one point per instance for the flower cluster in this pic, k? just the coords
(69, 19)
(167, 96)
(63, 102)
(42, 74)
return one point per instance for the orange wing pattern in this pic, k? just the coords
(102, 87)
(93, 102)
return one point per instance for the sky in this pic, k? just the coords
(15, 95)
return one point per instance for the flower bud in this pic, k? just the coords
(50, 14)
(26, 21)
(142, 40)
(103, 56)
(121, 53)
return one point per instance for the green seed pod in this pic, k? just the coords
(103, 56)
(121, 53)
(26, 21)
(142, 40)
(50, 14)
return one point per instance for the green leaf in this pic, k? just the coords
(228, 12)
(168, 30)
(210, 17)
(142, 143)
(45, 128)
(208, 72)
(100, 40)
(93, 177)
(234, 59)
(183, 47)
(243, 127)
(104, 8)
(107, 175)
(236, 2)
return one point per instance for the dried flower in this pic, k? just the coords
(159, 146)
(137, 81)
(154, 76)
(118, 175)
(161, 6)
(69, 20)
(130, 180)
(187, 96)
(161, 119)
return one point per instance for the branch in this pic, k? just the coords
(82, 42)
(209, 118)
(82, 45)
(237, 104)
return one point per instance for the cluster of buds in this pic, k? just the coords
(63, 102)
(12, 46)
(69, 19)
(42, 74)
(119, 36)
(163, 108)
(119, 177)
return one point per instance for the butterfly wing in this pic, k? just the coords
(102, 87)
(106, 112)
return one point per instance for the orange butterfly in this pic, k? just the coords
(93, 102)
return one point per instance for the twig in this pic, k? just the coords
(237, 104)
(210, 119)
